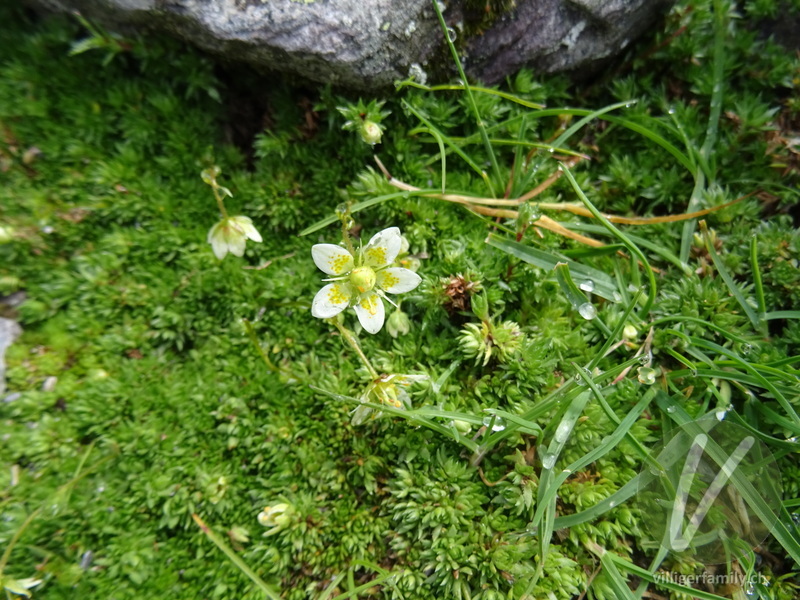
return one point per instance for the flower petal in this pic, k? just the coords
(331, 259)
(247, 227)
(218, 243)
(397, 280)
(370, 312)
(236, 244)
(383, 248)
(331, 300)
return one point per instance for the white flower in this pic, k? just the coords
(231, 234)
(361, 281)
(275, 517)
(386, 389)
(19, 587)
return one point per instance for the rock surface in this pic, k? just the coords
(9, 331)
(368, 44)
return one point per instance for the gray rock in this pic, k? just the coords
(9, 331)
(369, 44)
(560, 35)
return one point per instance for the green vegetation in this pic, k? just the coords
(557, 345)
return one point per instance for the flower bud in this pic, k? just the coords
(629, 332)
(371, 132)
(398, 323)
(462, 426)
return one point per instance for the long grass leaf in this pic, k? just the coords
(779, 530)
(634, 249)
(604, 286)
(470, 98)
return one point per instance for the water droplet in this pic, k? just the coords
(796, 518)
(562, 432)
(629, 104)
(451, 34)
(551, 150)
(720, 414)
(617, 297)
(587, 311)
(499, 423)
(750, 591)
(671, 409)
(792, 440)
(671, 110)
(612, 504)
(549, 461)
(587, 286)
(582, 380)
(746, 349)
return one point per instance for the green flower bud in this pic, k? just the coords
(371, 132)
(462, 426)
(398, 323)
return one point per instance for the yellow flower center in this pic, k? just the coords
(363, 279)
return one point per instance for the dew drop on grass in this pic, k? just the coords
(587, 286)
(796, 518)
(587, 311)
(451, 34)
(671, 409)
(750, 591)
(499, 423)
(549, 461)
(720, 414)
(562, 433)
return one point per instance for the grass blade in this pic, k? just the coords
(604, 286)
(236, 559)
(633, 248)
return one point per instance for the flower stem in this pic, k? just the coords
(235, 559)
(348, 335)
(251, 333)
(346, 237)
(220, 202)
(15, 538)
